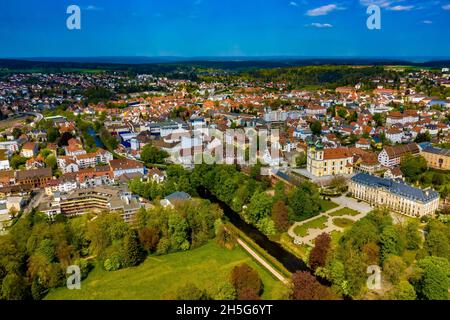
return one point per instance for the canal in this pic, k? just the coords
(287, 259)
(98, 141)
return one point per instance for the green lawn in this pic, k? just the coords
(343, 212)
(327, 205)
(208, 267)
(301, 251)
(343, 222)
(335, 236)
(318, 223)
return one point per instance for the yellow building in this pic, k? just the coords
(328, 162)
(395, 196)
(437, 158)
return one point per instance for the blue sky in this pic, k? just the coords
(189, 28)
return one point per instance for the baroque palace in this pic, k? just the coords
(396, 196)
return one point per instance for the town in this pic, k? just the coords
(340, 154)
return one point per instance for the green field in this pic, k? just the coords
(344, 212)
(208, 267)
(318, 223)
(327, 205)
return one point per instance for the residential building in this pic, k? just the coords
(408, 116)
(37, 178)
(126, 166)
(172, 199)
(29, 149)
(391, 155)
(98, 199)
(11, 146)
(4, 161)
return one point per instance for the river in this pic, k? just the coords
(98, 141)
(287, 259)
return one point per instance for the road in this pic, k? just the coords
(262, 261)
(37, 115)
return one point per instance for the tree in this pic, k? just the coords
(436, 244)
(434, 278)
(300, 160)
(244, 278)
(393, 268)
(306, 287)
(438, 179)
(64, 139)
(339, 183)
(191, 292)
(390, 242)
(423, 137)
(402, 291)
(225, 292)
(412, 235)
(304, 201)
(51, 162)
(52, 134)
(14, 287)
(249, 295)
(342, 113)
(152, 155)
(17, 161)
(149, 238)
(316, 128)
(260, 207)
(319, 254)
(371, 253)
(37, 290)
(413, 166)
(280, 215)
(132, 250)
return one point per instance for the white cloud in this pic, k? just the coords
(93, 8)
(446, 7)
(381, 3)
(293, 4)
(322, 11)
(427, 22)
(321, 25)
(400, 8)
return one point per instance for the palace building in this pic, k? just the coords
(396, 196)
(328, 162)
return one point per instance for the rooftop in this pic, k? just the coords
(400, 189)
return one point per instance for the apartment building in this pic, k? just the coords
(37, 178)
(98, 199)
(391, 155)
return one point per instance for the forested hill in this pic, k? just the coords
(237, 64)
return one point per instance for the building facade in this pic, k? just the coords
(437, 158)
(391, 156)
(395, 196)
(327, 162)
